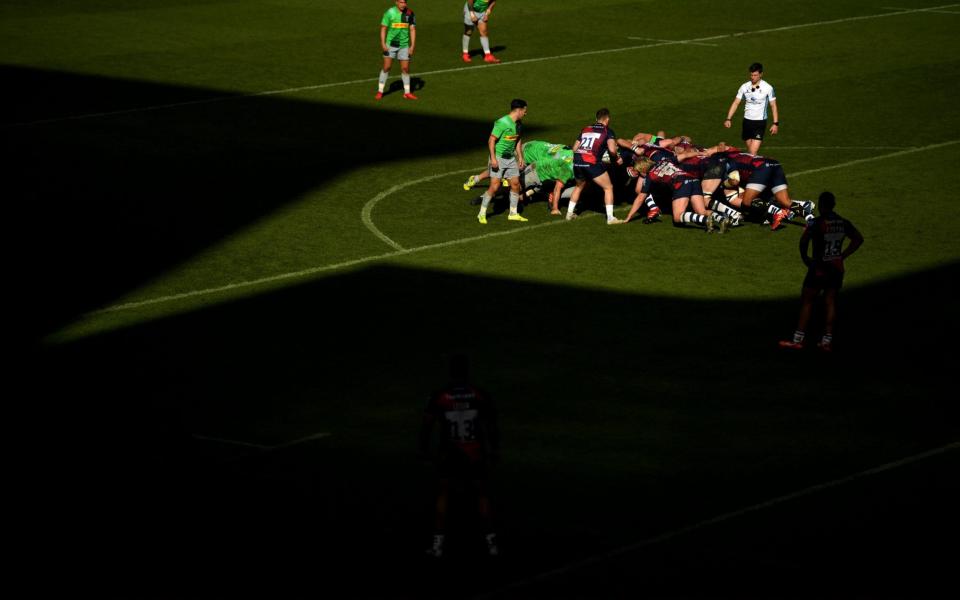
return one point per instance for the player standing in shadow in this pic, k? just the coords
(468, 446)
(824, 269)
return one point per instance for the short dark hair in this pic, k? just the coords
(827, 202)
(603, 112)
(517, 103)
(756, 68)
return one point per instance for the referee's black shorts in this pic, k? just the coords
(753, 130)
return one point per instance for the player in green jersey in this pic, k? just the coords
(476, 14)
(398, 38)
(547, 161)
(505, 146)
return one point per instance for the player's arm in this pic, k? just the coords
(490, 8)
(856, 240)
(521, 162)
(492, 147)
(776, 116)
(631, 144)
(731, 111)
(804, 247)
(555, 197)
(413, 38)
(638, 201)
(383, 38)
(685, 154)
(612, 148)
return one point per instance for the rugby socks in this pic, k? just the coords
(609, 208)
(406, 82)
(514, 201)
(484, 202)
(650, 202)
(826, 340)
(485, 42)
(383, 80)
(572, 205)
(692, 217)
(798, 337)
(774, 208)
(724, 210)
(807, 207)
(466, 44)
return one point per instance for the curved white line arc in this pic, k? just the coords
(365, 214)
(387, 255)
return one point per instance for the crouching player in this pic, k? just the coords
(548, 162)
(686, 192)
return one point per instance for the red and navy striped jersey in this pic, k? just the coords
(464, 413)
(593, 143)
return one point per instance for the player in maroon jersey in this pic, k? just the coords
(469, 444)
(824, 269)
(710, 167)
(761, 175)
(684, 190)
(588, 165)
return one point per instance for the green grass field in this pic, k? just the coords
(236, 277)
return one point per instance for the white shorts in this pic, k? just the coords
(397, 53)
(508, 169)
(466, 16)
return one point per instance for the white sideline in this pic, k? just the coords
(593, 560)
(367, 210)
(262, 447)
(460, 69)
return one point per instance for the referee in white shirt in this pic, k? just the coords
(758, 94)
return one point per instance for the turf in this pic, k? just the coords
(216, 233)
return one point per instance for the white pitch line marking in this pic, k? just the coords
(396, 253)
(207, 438)
(365, 214)
(929, 10)
(873, 158)
(460, 69)
(593, 560)
(263, 447)
(671, 41)
(303, 440)
(839, 147)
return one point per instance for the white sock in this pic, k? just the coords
(570, 207)
(514, 201)
(484, 203)
(466, 44)
(485, 42)
(406, 82)
(383, 80)
(609, 208)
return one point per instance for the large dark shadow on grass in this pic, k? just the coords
(112, 456)
(97, 206)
